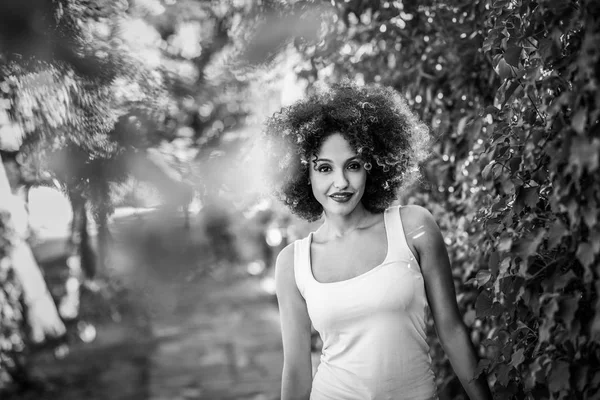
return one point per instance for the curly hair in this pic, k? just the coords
(377, 123)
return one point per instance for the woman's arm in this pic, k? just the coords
(423, 233)
(296, 380)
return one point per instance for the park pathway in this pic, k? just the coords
(212, 333)
(222, 341)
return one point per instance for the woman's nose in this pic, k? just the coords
(340, 181)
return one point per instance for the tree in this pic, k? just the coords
(62, 89)
(89, 102)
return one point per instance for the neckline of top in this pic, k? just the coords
(353, 278)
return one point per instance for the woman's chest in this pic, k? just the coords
(343, 260)
(382, 294)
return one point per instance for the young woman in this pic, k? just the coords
(366, 277)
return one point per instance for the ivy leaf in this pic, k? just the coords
(483, 277)
(505, 242)
(512, 88)
(579, 120)
(491, 110)
(482, 367)
(546, 48)
(529, 245)
(494, 262)
(514, 164)
(497, 309)
(531, 377)
(531, 196)
(548, 320)
(563, 280)
(590, 213)
(502, 373)
(517, 358)
(557, 231)
(573, 210)
(507, 350)
(503, 69)
(585, 255)
(559, 377)
(485, 173)
(512, 55)
(513, 287)
(526, 197)
(483, 305)
(500, 3)
(584, 154)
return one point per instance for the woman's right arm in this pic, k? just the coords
(296, 380)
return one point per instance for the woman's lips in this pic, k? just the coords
(341, 197)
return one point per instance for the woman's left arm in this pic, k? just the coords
(423, 234)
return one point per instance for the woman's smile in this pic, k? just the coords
(341, 197)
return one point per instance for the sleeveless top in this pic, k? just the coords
(372, 325)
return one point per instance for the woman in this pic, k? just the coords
(366, 277)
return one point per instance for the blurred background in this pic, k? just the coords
(137, 236)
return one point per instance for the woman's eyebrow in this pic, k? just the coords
(328, 160)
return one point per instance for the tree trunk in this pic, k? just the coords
(79, 241)
(103, 237)
(42, 315)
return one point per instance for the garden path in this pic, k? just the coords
(212, 333)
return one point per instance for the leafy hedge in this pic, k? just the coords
(510, 89)
(541, 237)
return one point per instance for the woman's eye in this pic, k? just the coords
(354, 166)
(324, 168)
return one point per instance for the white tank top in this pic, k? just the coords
(372, 325)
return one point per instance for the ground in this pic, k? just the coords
(207, 329)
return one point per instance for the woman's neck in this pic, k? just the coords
(337, 226)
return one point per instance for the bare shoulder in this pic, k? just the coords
(422, 232)
(286, 256)
(284, 267)
(416, 218)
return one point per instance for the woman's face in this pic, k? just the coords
(337, 176)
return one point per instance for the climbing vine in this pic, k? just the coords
(510, 91)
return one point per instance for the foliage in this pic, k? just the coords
(201, 47)
(510, 88)
(74, 92)
(11, 313)
(122, 76)
(66, 81)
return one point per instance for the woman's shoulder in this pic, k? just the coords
(415, 217)
(414, 208)
(421, 230)
(284, 268)
(285, 258)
